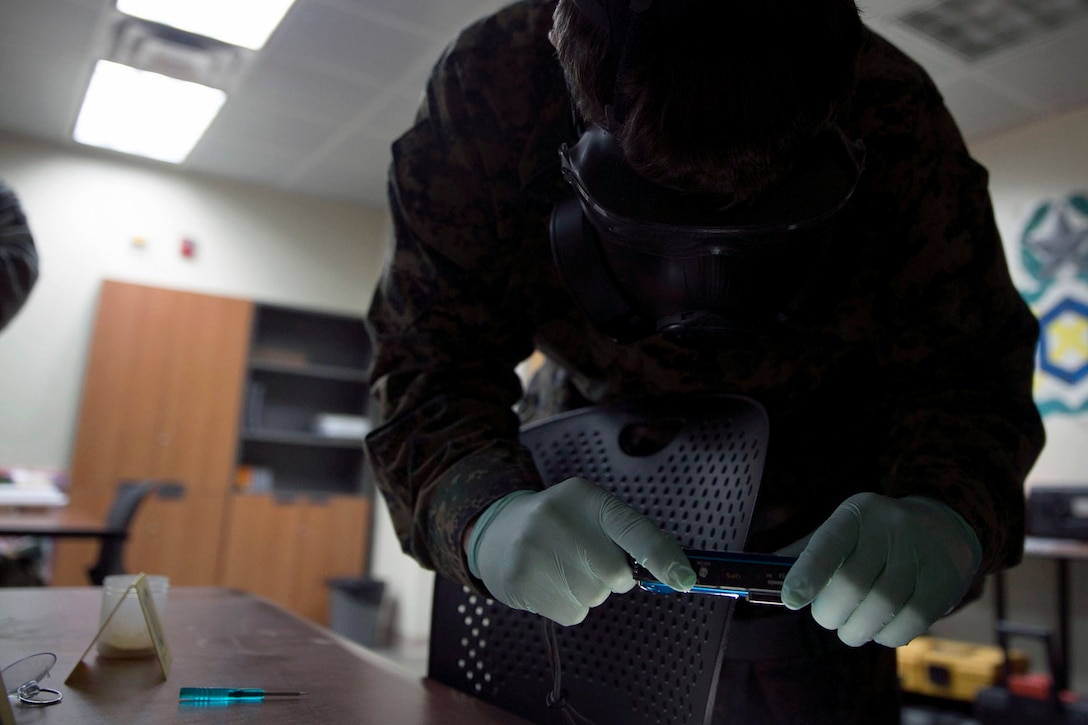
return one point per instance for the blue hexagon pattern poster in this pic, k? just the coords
(1054, 253)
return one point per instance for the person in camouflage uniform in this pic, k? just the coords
(18, 256)
(907, 372)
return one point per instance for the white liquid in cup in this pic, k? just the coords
(127, 634)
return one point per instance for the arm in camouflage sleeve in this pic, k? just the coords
(955, 347)
(449, 446)
(446, 321)
(963, 428)
(18, 257)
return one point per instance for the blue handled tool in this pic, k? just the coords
(231, 694)
(755, 577)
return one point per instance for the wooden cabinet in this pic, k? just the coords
(161, 398)
(287, 548)
(181, 537)
(192, 388)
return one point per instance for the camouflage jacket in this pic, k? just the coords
(18, 256)
(911, 374)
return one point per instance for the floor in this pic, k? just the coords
(919, 715)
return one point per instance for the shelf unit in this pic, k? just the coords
(304, 518)
(304, 366)
(167, 395)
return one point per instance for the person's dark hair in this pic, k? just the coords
(718, 103)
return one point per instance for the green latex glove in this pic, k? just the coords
(560, 551)
(883, 569)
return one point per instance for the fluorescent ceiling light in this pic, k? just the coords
(247, 23)
(144, 113)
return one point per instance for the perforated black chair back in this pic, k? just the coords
(126, 501)
(693, 466)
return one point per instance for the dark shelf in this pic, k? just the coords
(304, 365)
(299, 438)
(302, 337)
(320, 372)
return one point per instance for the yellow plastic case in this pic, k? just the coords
(952, 669)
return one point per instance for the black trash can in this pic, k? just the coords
(354, 608)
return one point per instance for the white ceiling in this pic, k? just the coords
(314, 112)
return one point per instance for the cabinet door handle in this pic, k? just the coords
(170, 490)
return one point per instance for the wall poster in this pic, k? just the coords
(1054, 252)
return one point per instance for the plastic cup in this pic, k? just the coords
(127, 634)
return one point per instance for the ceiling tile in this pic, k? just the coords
(413, 82)
(259, 128)
(393, 115)
(877, 8)
(975, 29)
(301, 90)
(337, 178)
(441, 18)
(232, 160)
(940, 64)
(338, 39)
(980, 109)
(26, 107)
(1054, 70)
(61, 24)
(316, 110)
(352, 164)
(45, 45)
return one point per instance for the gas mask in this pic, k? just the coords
(641, 258)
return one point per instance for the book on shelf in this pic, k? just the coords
(254, 479)
(280, 356)
(254, 410)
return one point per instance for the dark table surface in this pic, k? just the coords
(60, 521)
(219, 637)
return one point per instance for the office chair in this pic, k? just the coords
(693, 466)
(127, 500)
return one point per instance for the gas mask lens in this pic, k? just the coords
(641, 258)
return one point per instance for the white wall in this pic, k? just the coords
(1043, 161)
(85, 208)
(1040, 162)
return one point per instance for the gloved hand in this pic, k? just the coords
(560, 551)
(883, 569)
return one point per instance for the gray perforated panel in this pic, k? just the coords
(692, 466)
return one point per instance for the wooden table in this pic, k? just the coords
(221, 637)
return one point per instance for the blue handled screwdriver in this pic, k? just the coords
(231, 694)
